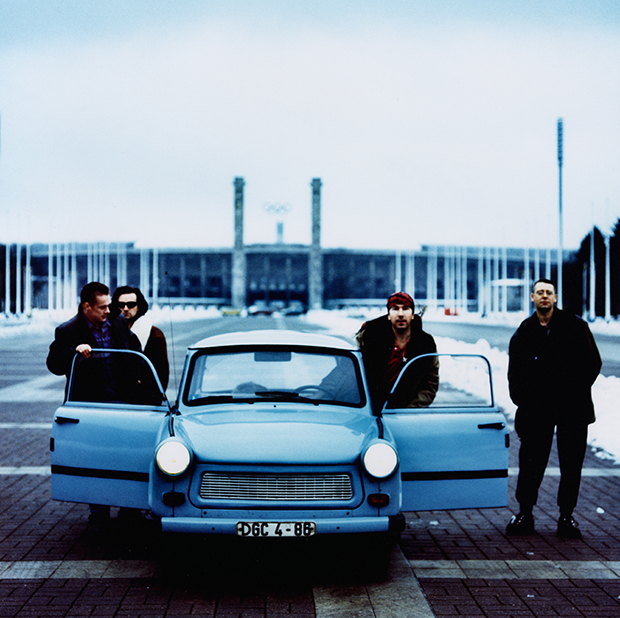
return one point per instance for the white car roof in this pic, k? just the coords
(274, 337)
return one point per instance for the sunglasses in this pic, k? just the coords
(132, 304)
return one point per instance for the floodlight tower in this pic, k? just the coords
(561, 244)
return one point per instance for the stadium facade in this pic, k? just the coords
(447, 278)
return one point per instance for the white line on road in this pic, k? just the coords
(25, 470)
(30, 425)
(398, 593)
(44, 388)
(516, 569)
(399, 596)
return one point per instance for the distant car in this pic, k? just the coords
(295, 307)
(273, 435)
(260, 307)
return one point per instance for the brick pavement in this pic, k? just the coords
(467, 565)
(53, 563)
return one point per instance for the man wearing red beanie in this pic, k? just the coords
(388, 343)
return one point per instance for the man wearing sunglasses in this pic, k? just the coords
(130, 302)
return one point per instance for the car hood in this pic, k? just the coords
(277, 436)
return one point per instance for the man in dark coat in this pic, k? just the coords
(100, 378)
(130, 302)
(553, 363)
(387, 343)
(97, 377)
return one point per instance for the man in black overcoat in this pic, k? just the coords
(553, 363)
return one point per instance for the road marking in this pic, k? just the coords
(598, 472)
(30, 425)
(399, 596)
(77, 569)
(516, 569)
(44, 388)
(396, 595)
(25, 470)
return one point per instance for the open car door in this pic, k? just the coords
(104, 435)
(453, 445)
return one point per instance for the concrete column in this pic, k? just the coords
(155, 276)
(120, 280)
(505, 277)
(496, 277)
(315, 291)
(481, 308)
(410, 274)
(66, 287)
(398, 277)
(464, 273)
(607, 279)
(28, 283)
(592, 296)
(239, 266)
(18, 279)
(182, 276)
(59, 283)
(7, 279)
(50, 277)
(526, 280)
(74, 275)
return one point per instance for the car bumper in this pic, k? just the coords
(206, 525)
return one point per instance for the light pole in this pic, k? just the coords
(607, 237)
(561, 245)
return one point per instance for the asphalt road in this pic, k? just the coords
(54, 563)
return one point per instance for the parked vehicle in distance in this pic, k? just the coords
(295, 307)
(272, 435)
(260, 307)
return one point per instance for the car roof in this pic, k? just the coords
(274, 337)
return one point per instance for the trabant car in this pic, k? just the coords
(272, 435)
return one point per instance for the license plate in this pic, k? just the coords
(276, 529)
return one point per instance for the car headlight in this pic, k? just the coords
(173, 457)
(380, 460)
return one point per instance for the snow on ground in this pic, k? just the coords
(604, 435)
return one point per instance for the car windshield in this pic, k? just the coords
(274, 375)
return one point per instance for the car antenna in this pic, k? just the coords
(172, 347)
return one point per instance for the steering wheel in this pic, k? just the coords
(315, 387)
(247, 388)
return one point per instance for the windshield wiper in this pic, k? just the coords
(285, 396)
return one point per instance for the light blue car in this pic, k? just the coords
(272, 435)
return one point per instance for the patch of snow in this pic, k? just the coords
(603, 435)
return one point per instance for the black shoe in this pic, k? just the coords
(520, 524)
(568, 528)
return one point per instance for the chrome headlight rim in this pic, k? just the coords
(173, 457)
(380, 460)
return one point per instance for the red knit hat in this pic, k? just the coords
(400, 298)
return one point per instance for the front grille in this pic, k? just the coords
(284, 487)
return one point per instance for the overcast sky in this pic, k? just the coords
(429, 122)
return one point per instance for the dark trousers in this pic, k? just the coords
(536, 437)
